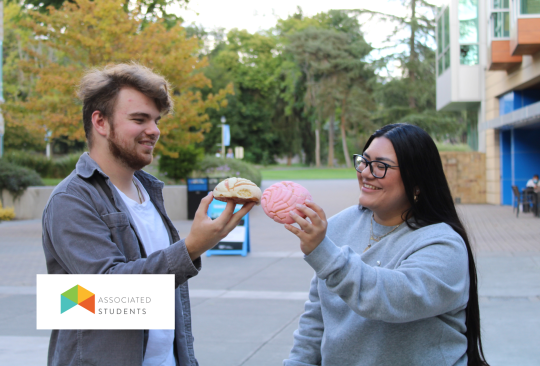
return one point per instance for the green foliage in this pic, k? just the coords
(15, 179)
(182, 164)
(46, 168)
(214, 167)
(7, 213)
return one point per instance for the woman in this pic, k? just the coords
(395, 279)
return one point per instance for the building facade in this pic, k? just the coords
(488, 63)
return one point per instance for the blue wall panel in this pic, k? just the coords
(506, 166)
(526, 155)
(517, 99)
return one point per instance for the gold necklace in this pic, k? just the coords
(138, 191)
(378, 238)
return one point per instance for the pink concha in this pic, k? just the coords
(281, 198)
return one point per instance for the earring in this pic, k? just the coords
(416, 193)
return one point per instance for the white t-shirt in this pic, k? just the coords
(159, 350)
(531, 184)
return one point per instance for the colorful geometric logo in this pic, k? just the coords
(77, 295)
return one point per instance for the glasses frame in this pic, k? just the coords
(368, 163)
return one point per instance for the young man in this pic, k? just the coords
(108, 217)
(533, 182)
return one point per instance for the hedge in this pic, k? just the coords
(46, 168)
(216, 167)
(15, 179)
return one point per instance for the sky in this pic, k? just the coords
(256, 15)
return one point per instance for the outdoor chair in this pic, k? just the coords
(523, 201)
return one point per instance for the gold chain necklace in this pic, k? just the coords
(138, 191)
(378, 238)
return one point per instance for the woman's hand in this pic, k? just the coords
(311, 233)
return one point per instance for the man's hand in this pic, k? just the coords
(311, 233)
(205, 233)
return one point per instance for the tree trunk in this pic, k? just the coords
(413, 56)
(344, 136)
(289, 159)
(317, 146)
(331, 140)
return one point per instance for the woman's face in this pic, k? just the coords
(385, 197)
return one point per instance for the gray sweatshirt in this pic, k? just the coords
(402, 302)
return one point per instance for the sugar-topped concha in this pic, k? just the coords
(238, 190)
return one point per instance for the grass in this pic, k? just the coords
(51, 181)
(281, 173)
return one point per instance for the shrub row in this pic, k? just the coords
(16, 179)
(212, 166)
(46, 168)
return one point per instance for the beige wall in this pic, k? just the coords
(493, 167)
(466, 175)
(33, 201)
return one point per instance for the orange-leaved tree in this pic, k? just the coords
(90, 34)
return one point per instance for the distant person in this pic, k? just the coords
(533, 182)
(230, 154)
(395, 279)
(218, 154)
(108, 217)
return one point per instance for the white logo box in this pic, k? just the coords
(131, 301)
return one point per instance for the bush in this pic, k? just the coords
(46, 168)
(183, 165)
(214, 167)
(16, 179)
(7, 213)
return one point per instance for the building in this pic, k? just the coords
(488, 63)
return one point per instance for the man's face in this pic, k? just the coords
(134, 130)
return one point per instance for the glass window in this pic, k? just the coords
(468, 21)
(468, 54)
(501, 24)
(530, 7)
(439, 36)
(446, 27)
(447, 59)
(443, 41)
(501, 4)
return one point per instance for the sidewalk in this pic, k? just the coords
(246, 309)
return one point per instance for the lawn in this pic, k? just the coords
(308, 173)
(51, 181)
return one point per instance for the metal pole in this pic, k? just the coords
(223, 120)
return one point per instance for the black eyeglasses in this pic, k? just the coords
(377, 168)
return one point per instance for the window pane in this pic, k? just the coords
(440, 64)
(530, 6)
(468, 21)
(501, 25)
(468, 54)
(439, 35)
(501, 4)
(446, 27)
(447, 59)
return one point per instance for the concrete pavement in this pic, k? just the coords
(246, 309)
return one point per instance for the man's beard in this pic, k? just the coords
(127, 157)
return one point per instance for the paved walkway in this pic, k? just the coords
(246, 309)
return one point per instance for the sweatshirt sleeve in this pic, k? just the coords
(431, 281)
(306, 349)
(80, 240)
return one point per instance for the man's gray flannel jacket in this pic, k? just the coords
(85, 233)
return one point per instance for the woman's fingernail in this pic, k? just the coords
(292, 213)
(308, 201)
(299, 205)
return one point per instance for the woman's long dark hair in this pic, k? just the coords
(421, 169)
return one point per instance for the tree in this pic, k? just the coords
(93, 34)
(250, 61)
(410, 97)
